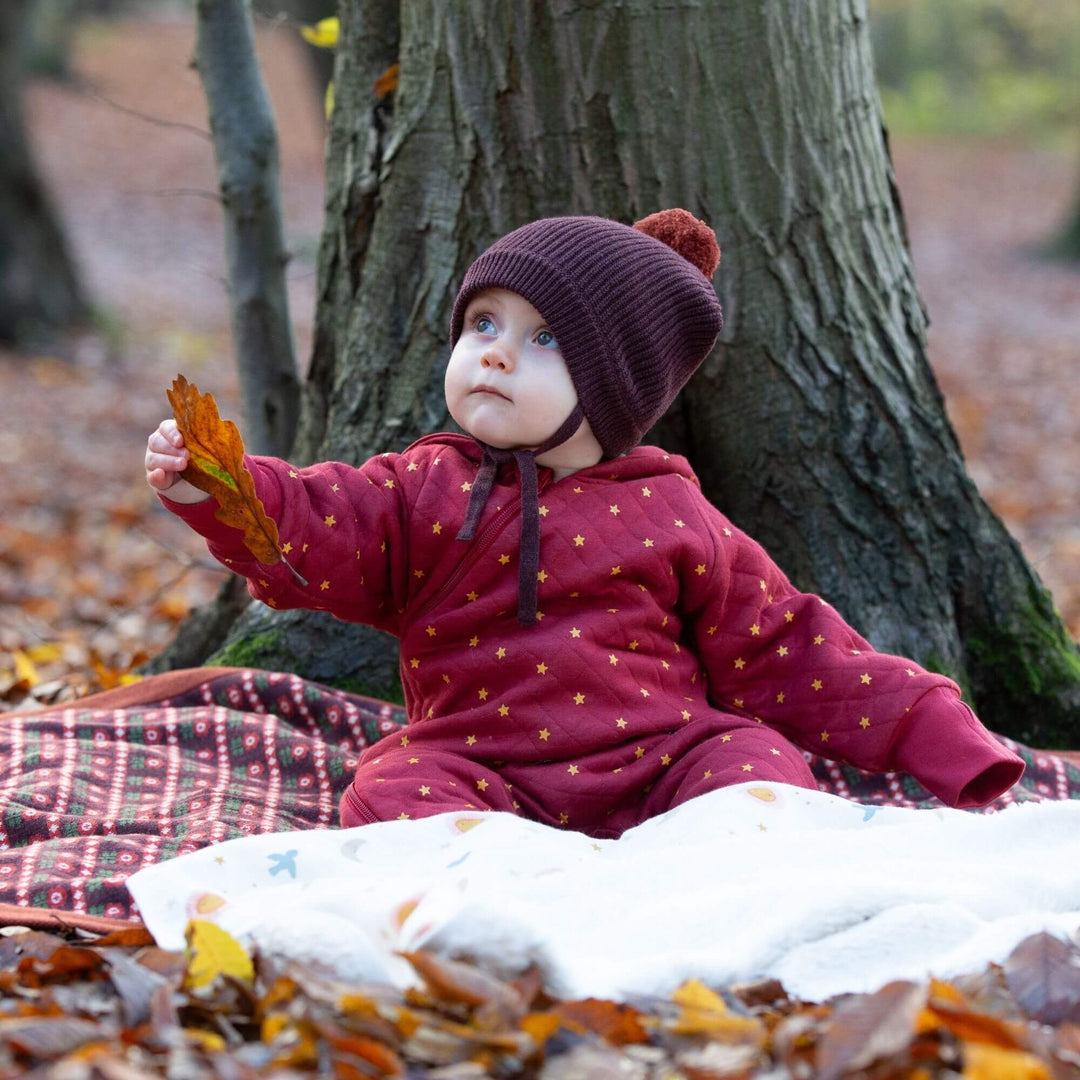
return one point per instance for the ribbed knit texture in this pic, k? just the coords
(633, 318)
(634, 315)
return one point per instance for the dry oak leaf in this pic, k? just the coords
(212, 951)
(216, 466)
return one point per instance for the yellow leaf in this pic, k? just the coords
(208, 1040)
(984, 1062)
(703, 1012)
(46, 653)
(328, 101)
(212, 951)
(24, 668)
(129, 677)
(694, 994)
(324, 34)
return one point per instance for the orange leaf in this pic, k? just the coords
(387, 82)
(216, 466)
(618, 1024)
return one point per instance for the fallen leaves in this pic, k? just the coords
(120, 1007)
(216, 466)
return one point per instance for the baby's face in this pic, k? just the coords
(507, 384)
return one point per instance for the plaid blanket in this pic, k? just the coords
(105, 786)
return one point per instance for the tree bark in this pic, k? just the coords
(245, 146)
(817, 423)
(40, 294)
(1066, 245)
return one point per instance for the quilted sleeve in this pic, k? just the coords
(789, 660)
(343, 529)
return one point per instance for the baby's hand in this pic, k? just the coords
(166, 458)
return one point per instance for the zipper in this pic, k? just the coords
(480, 544)
(360, 806)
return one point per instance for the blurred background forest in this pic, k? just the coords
(982, 105)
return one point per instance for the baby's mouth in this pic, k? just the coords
(489, 390)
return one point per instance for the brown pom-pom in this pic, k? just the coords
(682, 232)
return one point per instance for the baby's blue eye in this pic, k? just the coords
(546, 340)
(484, 325)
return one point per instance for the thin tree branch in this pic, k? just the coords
(157, 121)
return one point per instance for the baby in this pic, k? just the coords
(585, 639)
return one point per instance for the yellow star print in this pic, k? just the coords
(699, 569)
(430, 631)
(542, 576)
(389, 483)
(413, 466)
(504, 559)
(644, 692)
(544, 734)
(612, 659)
(573, 770)
(646, 492)
(504, 710)
(437, 528)
(414, 761)
(780, 698)
(330, 520)
(500, 653)
(425, 790)
(665, 759)
(482, 785)
(466, 486)
(616, 570)
(471, 596)
(579, 699)
(706, 774)
(648, 543)
(639, 752)
(575, 632)
(544, 511)
(470, 740)
(725, 738)
(864, 679)
(404, 740)
(755, 630)
(414, 663)
(748, 767)
(789, 615)
(818, 640)
(680, 524)
(614, 509)
(579, 541)
(473, 642)
(286, 548)
(564, 819)
(541, 668)
(482, 693)
(325, 584)
(864, 723)
(740, 663)
(620, 722)
(738, 703)
(782, 651)
(686, 714)
(293, 473)
(632, 645)
(816, 684)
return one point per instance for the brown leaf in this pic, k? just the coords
(1043, 973)
(455, 981)
(387, 82)
(618, 1024)
(129, 935)
(48, 1038)
(216, 466)
(869, 1028)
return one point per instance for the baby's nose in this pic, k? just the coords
(495, 357)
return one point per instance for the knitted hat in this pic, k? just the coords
(632, 308)
(634, 314)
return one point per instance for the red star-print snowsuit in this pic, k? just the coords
(671, 655)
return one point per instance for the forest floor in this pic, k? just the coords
(94, 576)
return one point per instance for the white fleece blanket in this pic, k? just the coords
(749, 881)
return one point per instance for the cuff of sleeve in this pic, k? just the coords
(198, 516)
(951, 754)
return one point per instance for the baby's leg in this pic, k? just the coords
(401, 783)
(753, 752)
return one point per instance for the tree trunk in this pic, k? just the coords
(39, 290)
(246, 151)
(816, 424)
(1066, 245)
